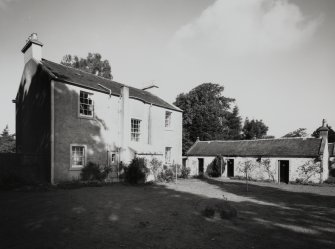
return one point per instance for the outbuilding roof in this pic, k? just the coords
(288, 147)
(91, 81)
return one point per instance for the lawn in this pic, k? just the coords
(169, 216)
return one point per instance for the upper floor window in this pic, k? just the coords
(168, 154)
(168, 119)
(78, 153)
(135, 129)
(85, 104)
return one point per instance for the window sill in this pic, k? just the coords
(86, 117)
(76, 168)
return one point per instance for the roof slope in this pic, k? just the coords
(288, 147)
(72, 75)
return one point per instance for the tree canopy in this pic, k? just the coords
(92, 64)
(300, 132)
(208, 115)
(253, 129)
(7, 141)
(331, 134)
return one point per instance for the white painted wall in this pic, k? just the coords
(116, 126)
(258, 172)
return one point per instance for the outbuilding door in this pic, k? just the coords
(284, 169)
(201, 166)
(230, 168)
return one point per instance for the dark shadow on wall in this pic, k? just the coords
(33, 122)
(159, 216)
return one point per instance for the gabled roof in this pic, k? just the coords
(91, 81)
(288, 147)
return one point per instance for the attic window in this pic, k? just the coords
(86, 104)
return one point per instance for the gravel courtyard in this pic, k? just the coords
(169, 216)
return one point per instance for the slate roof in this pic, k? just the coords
(288, 147)
(88, 80)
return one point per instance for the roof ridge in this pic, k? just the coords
(82, 71)
(262, 139)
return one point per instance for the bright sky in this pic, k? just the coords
(275, 57)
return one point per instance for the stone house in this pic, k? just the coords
(280, 160)
(66, 117)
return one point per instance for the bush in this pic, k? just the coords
(166, 175)
(137, 171)
(91, 172)
(185, 172)
(214, 168)
(156, 166)
(330, 180)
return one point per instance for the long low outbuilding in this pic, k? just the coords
(280, 160)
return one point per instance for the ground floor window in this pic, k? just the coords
(78, 156)
(168, 154)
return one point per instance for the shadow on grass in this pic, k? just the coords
(159, 216)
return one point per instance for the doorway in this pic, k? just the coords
(284, 169)
(201, 166)
(230, 168)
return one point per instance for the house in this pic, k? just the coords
(280, 160)
(66, 117)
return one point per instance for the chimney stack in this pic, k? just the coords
(323, 130)
(32, 49)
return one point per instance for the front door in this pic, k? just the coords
(284, 167)
(230, 168)
(201, 166)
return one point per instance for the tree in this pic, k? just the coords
(331, 134)
(207, 115)
(7, 141)
(301, 132)
(92, 64)
(246, 168)
(254, 129)
(234, 123)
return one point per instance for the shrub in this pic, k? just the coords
(214, 168)
(185, 172)
(330, 180)
(166, 175)
(137, 171)
(156, 166)
(91, 172)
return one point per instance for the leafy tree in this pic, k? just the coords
(92, 64)
(254, 129)
(234, 123)
(331, 134)
(301, 132)
(207, 115)
(7, 141)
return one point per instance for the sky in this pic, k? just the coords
(276, 58)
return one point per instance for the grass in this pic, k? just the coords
(169, 216)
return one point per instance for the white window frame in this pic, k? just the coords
(135, 132)
(90, 98)
(75, 166)
(168, 118)
(167, 155)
